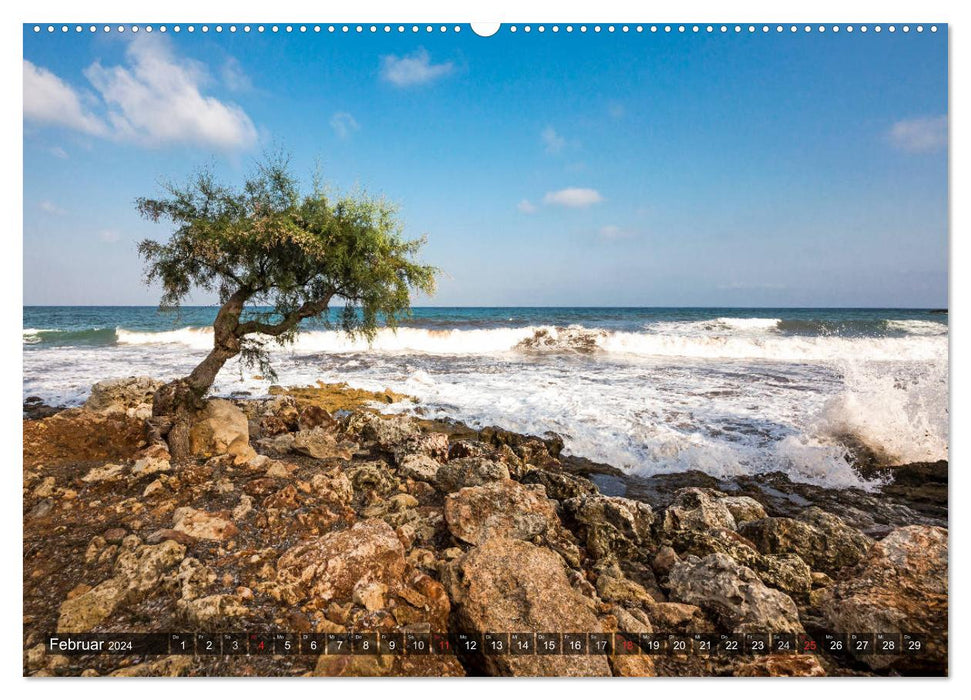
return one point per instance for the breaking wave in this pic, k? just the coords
(575, 339)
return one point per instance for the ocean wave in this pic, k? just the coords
(574, 339)
(80, 336)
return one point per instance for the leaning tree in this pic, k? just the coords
(275, 257)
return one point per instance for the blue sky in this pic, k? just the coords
(545, 169)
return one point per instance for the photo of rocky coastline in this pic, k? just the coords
(570, 350)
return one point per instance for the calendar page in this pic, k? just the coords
(450, 350)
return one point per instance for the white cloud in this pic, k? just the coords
(921, 135)
(49, 100)
(58, 152)
(574, 197)
(50, 208)
(154, 99)
(414, 69)
(552, 141)
(234, 77)
(526, 207)
(343, 124)
(108, 236)
(614, 232)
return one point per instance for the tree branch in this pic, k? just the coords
(306, 310)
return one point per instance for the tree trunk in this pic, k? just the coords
(176, 403)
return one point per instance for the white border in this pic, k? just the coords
(603, 11)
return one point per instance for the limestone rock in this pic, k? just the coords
(315, 417)
(821, 539)
(328, 568)
(698, 509)
(320, 443)
(901, 586)
(471, 471)
(106, 472)
(733, 594)
(220, 428)
(119, 395)
(559, 486)
(389, 432)
(508, 584)
(136, 572)
(419, 467)
(212, 612)
(610, 525)
(203, 525)
(787, 665)
(503, 509)
(743, 508)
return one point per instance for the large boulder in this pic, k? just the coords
(137, 571)
(698, 509)
(320, 443)
(133, 394)
(511, 585)
(328, 568)
(901, 586)
(389, 432)
(821, 539)
(611, 526)
(469, 471)
(220, 428)
(733, 594)
(503, 509)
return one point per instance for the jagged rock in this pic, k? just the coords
(333, 487)
(329, 567)
(120, 395)
(733, 594)
(45, 489)
(434, 445)
(106, 472)
(821, 539)
(370, 595)
(786, 665)
(151, 460)
(211, 612)
(194, 578)
(420, 467)
(203, 525)
(559, 486)
(787, 572)
(513, 585)
(698, 509)
(471, 471)
(610, 525)
(320, 443)
(503, 509)
(743, 508)
(136, 572)
(315, 417)
(373, 476)
(218, 429)
(389, 432)
(901, 586)
(631, 623)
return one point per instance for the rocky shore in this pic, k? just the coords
(308, 512)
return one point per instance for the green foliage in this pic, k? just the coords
(267, 245)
